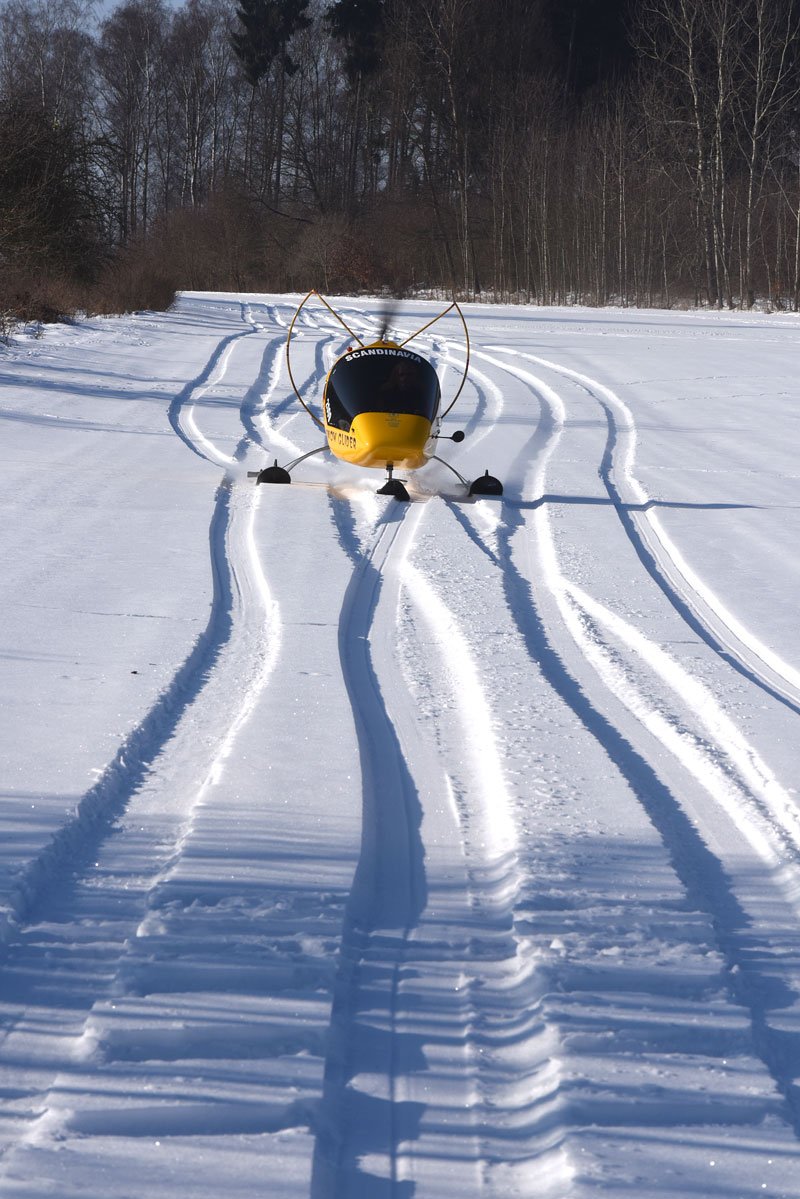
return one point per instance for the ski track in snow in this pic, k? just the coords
(181, 410)
(703, 611)
(389, 890)
(755, 775)
(226, 659)
(426, 1055)
(410, 904)
(703, 874)
(78, 840)
(398, 885)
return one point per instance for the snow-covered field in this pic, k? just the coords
(360, 850)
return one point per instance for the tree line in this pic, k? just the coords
(551, 151)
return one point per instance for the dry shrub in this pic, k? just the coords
(134, 280)
(335, 255)
(407, 246)
(235, 244)
(130, 282)
(27, 298)
(217, 247)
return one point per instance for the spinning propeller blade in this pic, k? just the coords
(386, 317)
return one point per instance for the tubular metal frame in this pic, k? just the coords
(355, 336)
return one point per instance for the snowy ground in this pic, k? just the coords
(360, 850)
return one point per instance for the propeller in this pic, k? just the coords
(386, 317)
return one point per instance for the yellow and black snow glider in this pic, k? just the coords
(382, 407)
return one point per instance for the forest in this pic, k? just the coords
(542, 151)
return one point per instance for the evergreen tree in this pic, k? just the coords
(268, 27)
(359, 25)
(591, 39)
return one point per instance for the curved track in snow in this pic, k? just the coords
(696, 602)
(122, 828)
(728, 771)
(105, 801)
(438, 857)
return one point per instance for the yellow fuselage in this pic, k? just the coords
(381, 439)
